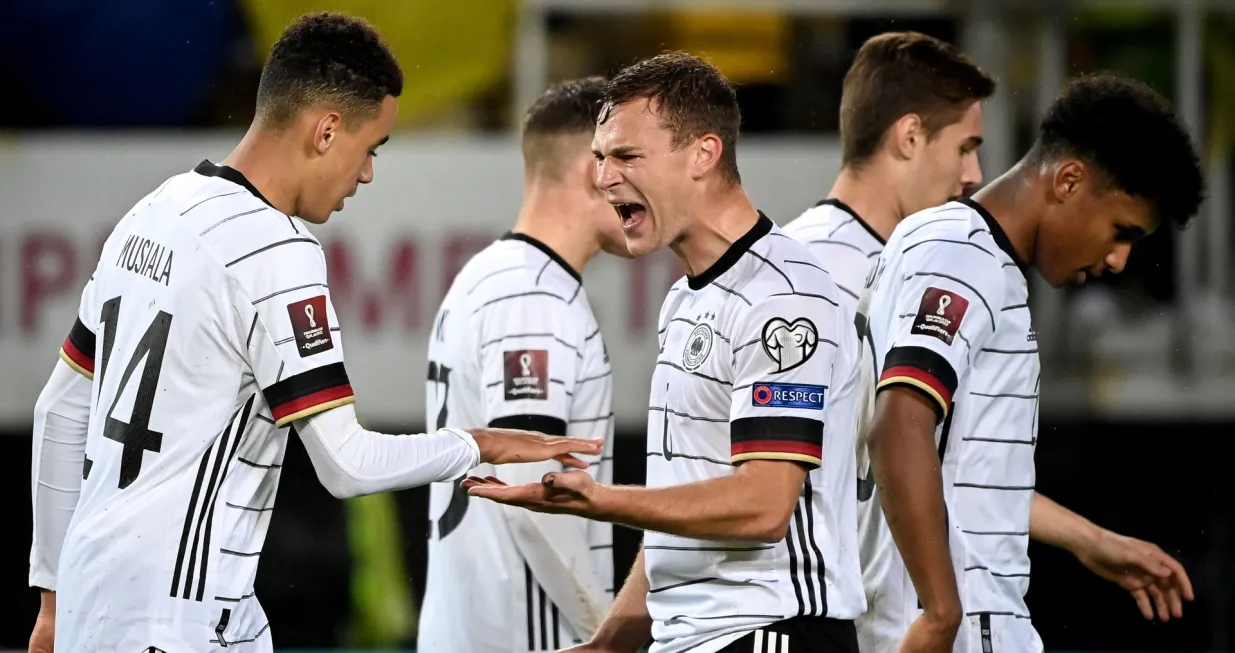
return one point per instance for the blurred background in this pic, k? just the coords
(104, 100)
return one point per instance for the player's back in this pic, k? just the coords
(182, 451)
(840, 239)
(515, 344)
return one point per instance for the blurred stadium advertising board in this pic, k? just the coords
(391, 255)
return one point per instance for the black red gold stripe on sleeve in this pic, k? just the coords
(78, 349)
(783, 437)
(542, 423)
(922, 369)
(308, 393)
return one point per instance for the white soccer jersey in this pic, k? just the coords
(948, 315)
(756, 357)
(515, 345)
(207, 327)
(848, 247)
(841, 240)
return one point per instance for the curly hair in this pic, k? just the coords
(899, 73)
(692, 97)
(1134, 138)
(327, 59)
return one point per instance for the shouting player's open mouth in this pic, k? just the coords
(632, 214)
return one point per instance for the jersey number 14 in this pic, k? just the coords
(134, 435)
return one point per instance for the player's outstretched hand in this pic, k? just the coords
(502, 446)
(558, 492)
(1143, 569)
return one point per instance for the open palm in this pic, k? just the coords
(1155, 579)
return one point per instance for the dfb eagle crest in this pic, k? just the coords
(698, 346)
(789, 344)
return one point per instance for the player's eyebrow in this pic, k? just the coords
(619, 151)
(973, 141)
(1131, 232)
(385, 139)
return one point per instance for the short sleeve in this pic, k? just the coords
(77, 351)
(944, 310)
(530, 353)
(784, 349)
(292, 338)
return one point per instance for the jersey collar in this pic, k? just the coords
(553, 256)
(731, 255)
(832, 201)
(997, 232)
(233, 175)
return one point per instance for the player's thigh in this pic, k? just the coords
(986, 633)
(799, 635)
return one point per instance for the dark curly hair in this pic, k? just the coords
(899, 73)
(564, 112)
(691, 96)
(1133, 136)
(330, 59)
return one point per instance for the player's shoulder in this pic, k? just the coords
(956, 231)
(217, 207)
(831, 222)
(787, 262)
(784, 271)
(953, 239)
(813, 223)
(512, 273)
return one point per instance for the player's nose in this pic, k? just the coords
(606, 174)
(1117, 259)
(366, 172)
(971, 173)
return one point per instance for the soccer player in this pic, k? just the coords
(205, 334)
(515, 345)
(910, 127)
(956, 411)
(750, 500)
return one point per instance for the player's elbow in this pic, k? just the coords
(771, 529)
(771, 523)
(339, 484)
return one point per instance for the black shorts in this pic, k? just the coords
(799, 635)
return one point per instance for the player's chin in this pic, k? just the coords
(643, 242)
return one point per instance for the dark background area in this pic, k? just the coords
(1168, 483)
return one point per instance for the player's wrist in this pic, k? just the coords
(47, 601)
(1085, 539)
(604, 502)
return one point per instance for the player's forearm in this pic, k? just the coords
(907, 473)
(628, 626)
(729, 508)
(61, 421)
(351, 461)
(1054, 524)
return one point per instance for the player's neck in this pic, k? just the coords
(718, 220)
(871, 194)
(1011, 200)
(258, 156)
(547, 215)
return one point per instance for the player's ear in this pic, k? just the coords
(707, 154)
(906, 135)
(327, 130)
(1070, 175)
